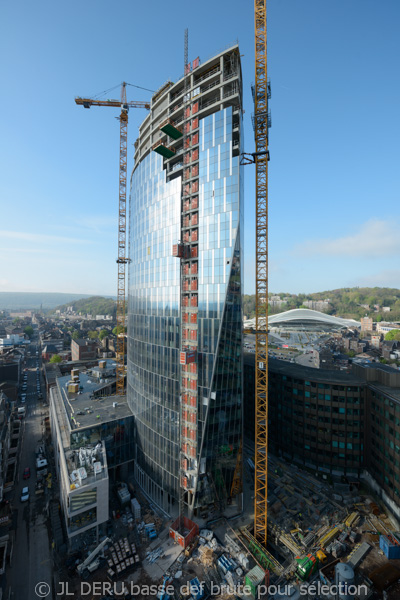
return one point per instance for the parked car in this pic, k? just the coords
(25, 494)
(27, 473)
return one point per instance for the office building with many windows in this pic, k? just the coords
(184, 363)
(338, 424)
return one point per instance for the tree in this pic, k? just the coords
(75, 335)
(93, 335)
(56, 358)
(119, 329)
(29, 331)
(103, 333)
(394, 335)
(16, 321)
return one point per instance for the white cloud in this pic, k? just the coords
(375, 238)
(3, 251)
(101, 224)
(38, 237)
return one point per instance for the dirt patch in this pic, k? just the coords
(384, 576)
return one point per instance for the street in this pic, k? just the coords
(31, 560)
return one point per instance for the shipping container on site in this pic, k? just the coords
(183, 531)
(357, 554)
(390, 546)
(254, 578)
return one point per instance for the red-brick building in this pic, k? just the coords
(83, 349)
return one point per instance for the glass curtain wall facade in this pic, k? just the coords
(220, 362)
(154, 328)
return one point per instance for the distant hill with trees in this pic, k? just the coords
(93, 305)
(349, 303)
(34, 300)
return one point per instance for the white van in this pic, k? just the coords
(41, 463)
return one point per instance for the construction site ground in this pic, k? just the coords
(300, 505)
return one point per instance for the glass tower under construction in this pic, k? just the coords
(185, 290)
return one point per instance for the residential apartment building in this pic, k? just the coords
(317, 304)
(83, 349)
(367, 324)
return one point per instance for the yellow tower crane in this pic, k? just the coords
(261, 157)
(261, 122)
(122, 259)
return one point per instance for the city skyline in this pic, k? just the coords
(333, 183)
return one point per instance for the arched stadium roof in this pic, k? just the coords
(305, 317)
(312, 317)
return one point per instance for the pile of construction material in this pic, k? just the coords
(122, 556)
(237, 551)
(127, 518)
(337, 549)
(207, 540)
(151, 518)
(232, 572)
(206, 556)
(148, 529)
(154, 555)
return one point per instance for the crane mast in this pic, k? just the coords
(122, 259)
(261, 157)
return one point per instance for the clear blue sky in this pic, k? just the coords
(334, 173)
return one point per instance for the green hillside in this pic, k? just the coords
(344, 302)
(94, 305)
